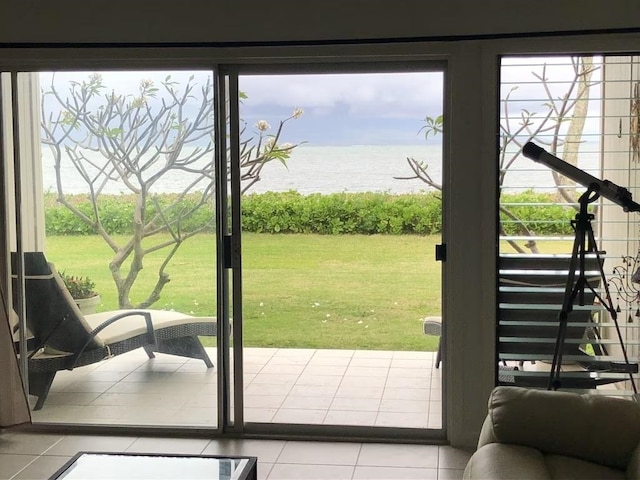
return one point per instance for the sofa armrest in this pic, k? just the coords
(591, 427)
(487, 434)
(633, 468)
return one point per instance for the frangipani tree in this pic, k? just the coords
(137, 142)
(559, 128)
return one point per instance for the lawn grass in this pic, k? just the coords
(302, 291)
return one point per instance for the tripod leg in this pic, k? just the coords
(570, 293)
(608, 304)
(582, 227)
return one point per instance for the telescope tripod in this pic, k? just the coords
(584, 243)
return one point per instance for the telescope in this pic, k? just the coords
(584, 243)
(609, 190)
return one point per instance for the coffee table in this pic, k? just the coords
(139, 466)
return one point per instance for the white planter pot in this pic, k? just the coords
(88, 305)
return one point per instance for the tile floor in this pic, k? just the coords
(337, 387)
(37, 456)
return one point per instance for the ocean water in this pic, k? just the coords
(330, 169)
(359, 168)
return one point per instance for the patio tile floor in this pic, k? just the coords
(342, 387)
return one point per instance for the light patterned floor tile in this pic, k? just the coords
(394, 473)
(72, 444)
(299, 416)
(286, 471)
(191, 446)
(337, 382)
(42, 467)
(320, 453)
(386, 455)
(11, 464)
(349, 417)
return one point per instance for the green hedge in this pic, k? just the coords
(341, 213)
(541, 213)
(291, 212)
(116, 213)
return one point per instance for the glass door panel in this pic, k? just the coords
(122, 181)
(341, 210)
(582, 109)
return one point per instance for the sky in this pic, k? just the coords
(345, 109)
(357, 109)
(520, 78)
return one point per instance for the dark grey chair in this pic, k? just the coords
(64, 338)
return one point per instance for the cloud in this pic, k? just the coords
(385, 95)
(351, 109)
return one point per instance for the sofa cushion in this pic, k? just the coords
(497, 461)
(581, 426)
(561, 467)
(500, 461)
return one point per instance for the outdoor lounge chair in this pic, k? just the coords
(530, 298)
(65, 338)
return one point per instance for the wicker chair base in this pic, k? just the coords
(181, 340)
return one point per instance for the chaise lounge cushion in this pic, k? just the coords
(129, 327)
(135, 324)
(546, 434)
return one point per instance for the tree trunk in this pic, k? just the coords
(576, 127)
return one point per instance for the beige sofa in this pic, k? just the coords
(539, 434)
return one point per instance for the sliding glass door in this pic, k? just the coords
(116, 210)
(264, 236)
(337, 196)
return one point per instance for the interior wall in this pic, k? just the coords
(469, 306)
(165, 21)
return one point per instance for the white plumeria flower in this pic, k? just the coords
(262, 125)
(262, 304)
(286, 146)
(269, 144)
(297, 112)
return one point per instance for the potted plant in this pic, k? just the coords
(82, 291)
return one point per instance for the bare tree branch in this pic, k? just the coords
(135, 141)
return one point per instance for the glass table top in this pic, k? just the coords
(88, 465)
